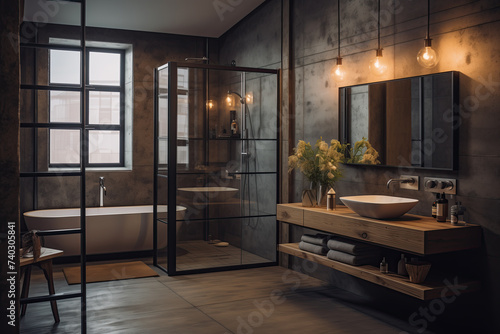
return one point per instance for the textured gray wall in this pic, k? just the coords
(464, 34)
(256, 42)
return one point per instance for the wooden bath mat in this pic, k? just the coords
(109, 272)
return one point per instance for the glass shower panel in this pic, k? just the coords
(222, 248)
(226, 164)
(261, 94)
(161, 221)
(258, 235)
(161, 187)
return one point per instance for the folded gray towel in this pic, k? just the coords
(355, 260)
(351, 247)
(316, 249)
(316, 239)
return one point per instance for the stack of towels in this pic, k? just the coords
(315, 243)
(352, 252)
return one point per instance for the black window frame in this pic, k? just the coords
(98, 127)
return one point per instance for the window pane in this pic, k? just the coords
(104, 147)
(183, 78)
(104, 68)
(182, 117)
(162, 151)
(104, 107)
(64, 106)
(182, 155)
(64, 146)
(64, 67)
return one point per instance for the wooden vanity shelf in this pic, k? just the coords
(410, 233)
(424, 291)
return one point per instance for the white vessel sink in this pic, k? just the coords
(212, 193)
(379, 206)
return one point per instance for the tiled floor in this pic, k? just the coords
(264, 300)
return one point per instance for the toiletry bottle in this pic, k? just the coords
(434, 206)
(234, 127)
(461, 214)
(330, 200)
(402, 266)
(384, 268)
(454, 214)
(442, 209)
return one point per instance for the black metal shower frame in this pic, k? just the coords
(172, 167)
(34, 125)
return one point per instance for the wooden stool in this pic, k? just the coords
(44, 262)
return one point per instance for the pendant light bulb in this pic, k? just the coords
(338, 71)
(378, 65)
(427, 56)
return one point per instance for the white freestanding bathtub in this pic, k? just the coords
(109, 229)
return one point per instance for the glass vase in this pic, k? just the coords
(309, 196)
(321, 191)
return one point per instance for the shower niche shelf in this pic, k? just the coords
(189, 155)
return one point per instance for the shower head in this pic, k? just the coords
(229, 92)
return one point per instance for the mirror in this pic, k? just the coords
(411, 122)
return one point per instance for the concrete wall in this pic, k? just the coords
(256, 42)
(464, 34)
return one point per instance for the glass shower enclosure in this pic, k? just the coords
(217, 163)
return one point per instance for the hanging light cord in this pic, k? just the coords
(378, 23)
(428, 17)
(338, 24)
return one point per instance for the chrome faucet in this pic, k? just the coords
(403, 180)
(102, 191)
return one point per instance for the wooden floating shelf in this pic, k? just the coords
(410, 233)
(423, 291)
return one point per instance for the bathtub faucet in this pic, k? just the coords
(102, 191)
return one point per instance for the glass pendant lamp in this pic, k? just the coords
(378, 65)
(338, 72)
(427, 56)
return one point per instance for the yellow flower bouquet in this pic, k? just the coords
(319, 164)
